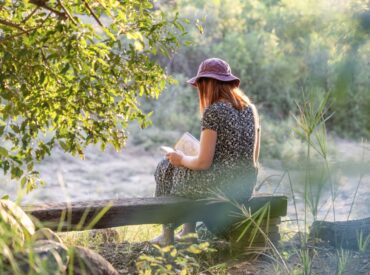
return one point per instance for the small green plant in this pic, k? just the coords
(362, 242)
(221, 268)
(252, 225)
(343, 256)
(173, 260)
(311, 119)
(306, 261)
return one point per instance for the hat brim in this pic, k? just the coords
(226, 78)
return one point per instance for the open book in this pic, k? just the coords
(187, 144)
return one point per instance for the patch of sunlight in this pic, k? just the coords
(94, 238)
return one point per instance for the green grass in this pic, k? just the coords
(132, 233)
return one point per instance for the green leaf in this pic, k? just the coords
(173, 252)
(23, 181)
(30, 166)
(3, 152)
(179, 26)
(194, 249)
(16, 172)
(42, 78)
(200, 28)
(15, 128)
(2, 128)
(109, 34)
(65, 68)
(65, 147)
(5, 197)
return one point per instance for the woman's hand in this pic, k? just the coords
(175, 158)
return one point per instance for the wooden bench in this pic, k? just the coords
(162, 210)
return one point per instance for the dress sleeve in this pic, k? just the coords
(211, 119)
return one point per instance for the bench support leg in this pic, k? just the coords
(168, 235)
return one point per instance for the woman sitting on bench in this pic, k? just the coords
(229, 144)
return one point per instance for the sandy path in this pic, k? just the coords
(102, 175)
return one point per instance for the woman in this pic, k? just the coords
(229, 144)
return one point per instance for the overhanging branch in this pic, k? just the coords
(67, 13)
(30, 15)
(93, 14)
(2, 40)
(11, 24)
(42, 4)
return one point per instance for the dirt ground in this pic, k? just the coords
(325, 262)
(325, 259)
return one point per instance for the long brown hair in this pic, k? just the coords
(212, 90)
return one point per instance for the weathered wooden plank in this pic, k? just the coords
(133, 211)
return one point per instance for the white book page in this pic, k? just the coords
(166, 149)
(188, 144)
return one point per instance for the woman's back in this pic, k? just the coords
(235, 134)
(233, 170)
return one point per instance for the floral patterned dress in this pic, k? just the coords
(232, 171)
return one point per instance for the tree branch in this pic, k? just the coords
(67, 12)
(2, 40)
(29, 16)
(11, 24)
(46, 62)
(93, 14)
(42, 4)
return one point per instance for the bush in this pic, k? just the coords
(281, 48)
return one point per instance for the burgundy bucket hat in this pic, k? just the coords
(214, 68)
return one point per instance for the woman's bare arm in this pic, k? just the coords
(257, 141)
(204, 160)
(257, 150)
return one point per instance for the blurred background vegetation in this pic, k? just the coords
(281, 50)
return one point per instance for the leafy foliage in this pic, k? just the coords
(282, 48)
(71, 73)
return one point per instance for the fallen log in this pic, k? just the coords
(354, 234)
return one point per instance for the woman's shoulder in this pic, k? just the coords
(251, 109)
(214, 116)
(219, 106)
(219, 110)
(226, 108)
(211, 110)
